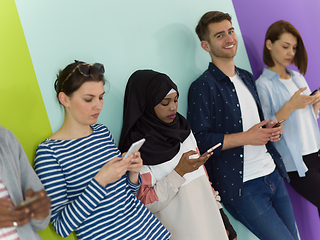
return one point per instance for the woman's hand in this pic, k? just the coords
(298, 100)
(134, 168)
(187, 165)
(113, 170)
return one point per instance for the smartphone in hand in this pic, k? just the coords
(28, 202)
(135, 147)
(314, 92)
(278, 123)
(211, 149)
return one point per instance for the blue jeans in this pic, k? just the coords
(266, 209)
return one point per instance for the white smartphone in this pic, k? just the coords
(135, 147)
(27, 202)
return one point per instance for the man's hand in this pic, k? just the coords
(40, 208)
(276, 136)
(257, 135)
(9, 215)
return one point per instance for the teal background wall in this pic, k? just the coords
(123, 35)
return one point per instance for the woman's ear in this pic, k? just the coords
(63, 99)
(205, 45)
(269, 44)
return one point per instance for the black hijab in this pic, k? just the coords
(146, 89)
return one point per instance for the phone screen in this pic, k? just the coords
(135, 147)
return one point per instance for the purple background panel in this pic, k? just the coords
(254, 18)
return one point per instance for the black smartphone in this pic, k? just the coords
(315, 91)
(279, 123)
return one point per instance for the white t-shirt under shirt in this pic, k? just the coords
(257, 161)
(307, 136)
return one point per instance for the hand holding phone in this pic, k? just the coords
(135, 147)
(314, 92)
(278, 123)
(28, 202)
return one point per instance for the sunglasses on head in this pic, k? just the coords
(84, 69)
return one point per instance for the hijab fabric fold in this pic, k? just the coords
(146, 89)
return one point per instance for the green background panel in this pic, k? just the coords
(21, 104)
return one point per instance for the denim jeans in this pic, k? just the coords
(266, 209)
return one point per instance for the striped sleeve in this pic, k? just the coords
(134, 187)
(66, 215)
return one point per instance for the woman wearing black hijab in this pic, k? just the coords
(175, 186)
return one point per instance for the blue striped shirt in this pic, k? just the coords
(79, 203)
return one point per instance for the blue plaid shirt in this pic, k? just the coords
(213, 111)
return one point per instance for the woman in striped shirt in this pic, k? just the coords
(91, 187)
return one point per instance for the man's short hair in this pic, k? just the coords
(210, 17)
